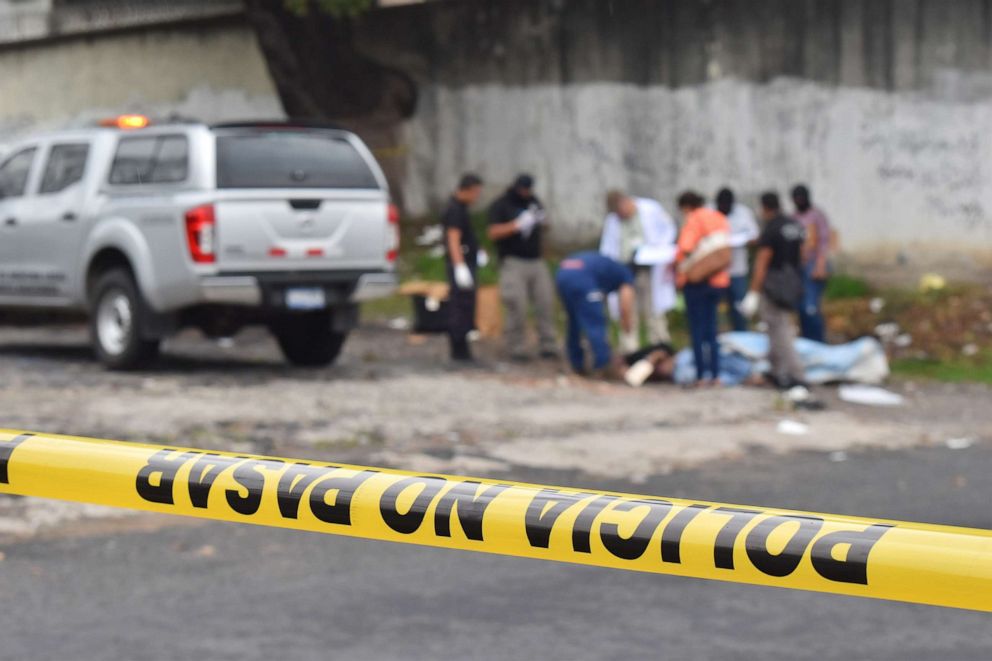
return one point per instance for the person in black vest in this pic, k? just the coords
(461, 260)
(777, 290)
(516, 225)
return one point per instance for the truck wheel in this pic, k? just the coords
(308, 340)
(116, 314)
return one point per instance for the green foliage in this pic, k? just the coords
(955, 371)
(841, 286)
(336, 8)
(418, 263)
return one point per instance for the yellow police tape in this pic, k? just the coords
(926, 564)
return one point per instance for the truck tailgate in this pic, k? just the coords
(301, 231)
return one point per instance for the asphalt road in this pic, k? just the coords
(222, 591)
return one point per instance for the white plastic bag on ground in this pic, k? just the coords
(870, 395)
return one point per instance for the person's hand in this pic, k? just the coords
(525, 223)
(463, 276)
(540, 216)
(820, 271)
(629, 342)
(749, 305)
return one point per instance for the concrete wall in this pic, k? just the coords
(882, 106)
(211, 69)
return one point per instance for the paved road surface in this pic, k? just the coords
(221, 591)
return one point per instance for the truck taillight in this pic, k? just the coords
(201, 226)
(393, 234)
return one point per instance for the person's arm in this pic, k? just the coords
(461, 271)
(809, 246)
(502, 231)
(522, 224)
(628, 301)
(454, 238)
(749, 305)
(761, 262)
(823, 245)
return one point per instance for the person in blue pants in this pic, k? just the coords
(584, 281)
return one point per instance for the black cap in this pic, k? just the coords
(524, 181)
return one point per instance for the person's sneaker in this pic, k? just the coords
(801, 398)
(798, 394)
(460, 352)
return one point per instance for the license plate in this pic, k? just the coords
(306, 298)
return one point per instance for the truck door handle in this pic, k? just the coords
(69, 217)
(10, 222)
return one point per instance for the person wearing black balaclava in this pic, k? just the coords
(516, 225)
(743, 231)
(816, 263)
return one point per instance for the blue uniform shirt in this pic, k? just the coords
(608, 274)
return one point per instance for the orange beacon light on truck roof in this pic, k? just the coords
(126, 122)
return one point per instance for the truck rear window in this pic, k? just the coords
(283, 159)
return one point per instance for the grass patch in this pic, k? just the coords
(946, 371)
(387, 308)
(841, 286)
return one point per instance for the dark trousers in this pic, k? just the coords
(735, 294)
(811, 323)
(584, 304)
(461, 317)
(701, 301)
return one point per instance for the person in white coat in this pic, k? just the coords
(639, 232)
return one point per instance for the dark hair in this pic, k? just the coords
(801, 192)
(690, 200)
(469, 180)
(613, 200)
(725, 200)
(770, 201)
(524, 180)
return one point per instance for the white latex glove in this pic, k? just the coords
(463, 276)
(749, 305)
(525, 223)
(539, 214)
(629, 342)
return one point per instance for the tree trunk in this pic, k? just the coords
(320, 74)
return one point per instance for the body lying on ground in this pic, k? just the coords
(744, 358)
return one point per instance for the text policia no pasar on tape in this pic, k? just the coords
(801, 550)
(468, 500)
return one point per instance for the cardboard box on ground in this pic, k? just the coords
(430, 309)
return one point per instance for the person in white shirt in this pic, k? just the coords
(743, 232)
(639, 233)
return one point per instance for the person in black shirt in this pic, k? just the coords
(777, 289)
(461, 260)
(516, 223)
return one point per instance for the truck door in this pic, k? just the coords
(15, 180)
(57, 220)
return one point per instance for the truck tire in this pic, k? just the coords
(116, 315)
(307, 340)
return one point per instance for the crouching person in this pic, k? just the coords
(584, 281)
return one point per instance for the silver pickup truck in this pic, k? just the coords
(149, 229)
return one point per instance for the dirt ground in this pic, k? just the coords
(396, 402)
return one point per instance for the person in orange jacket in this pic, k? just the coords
(703, 226)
